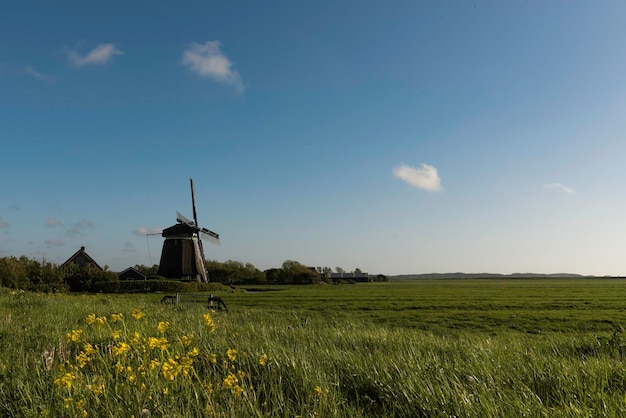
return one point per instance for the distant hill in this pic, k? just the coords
(481, 276)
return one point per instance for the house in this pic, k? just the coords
(82, 259)
(357, 277)
(131, 273)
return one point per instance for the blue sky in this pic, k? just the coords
(397, 137)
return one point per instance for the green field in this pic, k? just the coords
(498, 347)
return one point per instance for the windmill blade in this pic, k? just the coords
(210, 235)
(180, 218)
(193, 202)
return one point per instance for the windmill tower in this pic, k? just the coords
(183, 254)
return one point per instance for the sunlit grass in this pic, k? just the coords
(122, 355)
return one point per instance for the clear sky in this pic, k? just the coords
(392, 136)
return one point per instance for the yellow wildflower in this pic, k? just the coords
(137, 314)
(116, 334)
(163, 326)
(116, 317)
(154, 364)
(82, 359)
(208, 388)
(319, 392)
(241, 374)
(263, 360)
(96, 389)
(158, 342)
(230, 381)
(194, 352)
(135, 339)
(101, 320)
(90, 319)
(166, 391)
(186, 339)
(88, 348)
(65, 381)
(232, 354)
(209, 322)
(120, 349)
(237, 390)
(186, 365)
(170, 369)
(119, 367)
(74, 335)
(213, 358)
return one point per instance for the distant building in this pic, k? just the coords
(82, 259)
(357, 277)
(131, 273)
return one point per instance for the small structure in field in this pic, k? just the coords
(356, 276)
(82, 259)
(131, 273)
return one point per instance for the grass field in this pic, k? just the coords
(544, 347)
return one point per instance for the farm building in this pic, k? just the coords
(82, 259)
(131, 273)
(357, 277)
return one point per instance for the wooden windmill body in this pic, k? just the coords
(183, 255)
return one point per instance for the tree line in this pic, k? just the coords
(44, 276)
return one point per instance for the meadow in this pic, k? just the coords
(421, 348)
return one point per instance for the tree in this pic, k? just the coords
(147, 271)
(357, 270)
(297, 273)
(234, 272)
(339, 270)
(13, 273)
(83, 278)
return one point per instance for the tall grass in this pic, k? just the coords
(287, 362)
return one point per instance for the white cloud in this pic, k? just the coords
(84, 223)
(425, 177)
(101, 54)
(31, 71)
(54, 243)
(3, 224)
(79, 226)
(559, 186)
(52, 223)
(147, 231)
(207, 60)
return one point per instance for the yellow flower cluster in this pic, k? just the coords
(231, 382)
(186, 340)
(163, 327)
(120, 349)
(175, 366)
(98, 320)
(319, 392)
(130, 361)
(74, 335)
(137, 313)
(210, 324)
(161, 343)
(66, 380)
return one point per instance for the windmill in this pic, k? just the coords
(183, 254)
